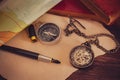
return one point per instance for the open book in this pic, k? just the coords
(15, 15)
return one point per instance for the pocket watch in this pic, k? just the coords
(81, 56)
(48, 33)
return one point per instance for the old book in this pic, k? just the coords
(107, 10)
(88, 9)
(15, 15)
(72, 8)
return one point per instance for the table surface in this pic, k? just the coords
(14, 67)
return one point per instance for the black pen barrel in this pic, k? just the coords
(21, 52)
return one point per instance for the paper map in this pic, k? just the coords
(15, 15)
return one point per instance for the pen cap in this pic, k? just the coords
(32, 33)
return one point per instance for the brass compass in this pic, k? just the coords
(48, 32)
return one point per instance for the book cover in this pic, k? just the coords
(108, 10)
(72, 8)
(101, 10)
(15, 15)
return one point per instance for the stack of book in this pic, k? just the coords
(106, 11)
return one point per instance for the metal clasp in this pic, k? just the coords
(71, 27)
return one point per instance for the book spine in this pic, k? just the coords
(95, 9)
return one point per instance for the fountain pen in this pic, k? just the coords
(29, 54)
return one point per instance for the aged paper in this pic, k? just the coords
(14, 67)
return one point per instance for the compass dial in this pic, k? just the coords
(48, 32)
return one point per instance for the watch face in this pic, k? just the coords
(48, 32)
(81, 56)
